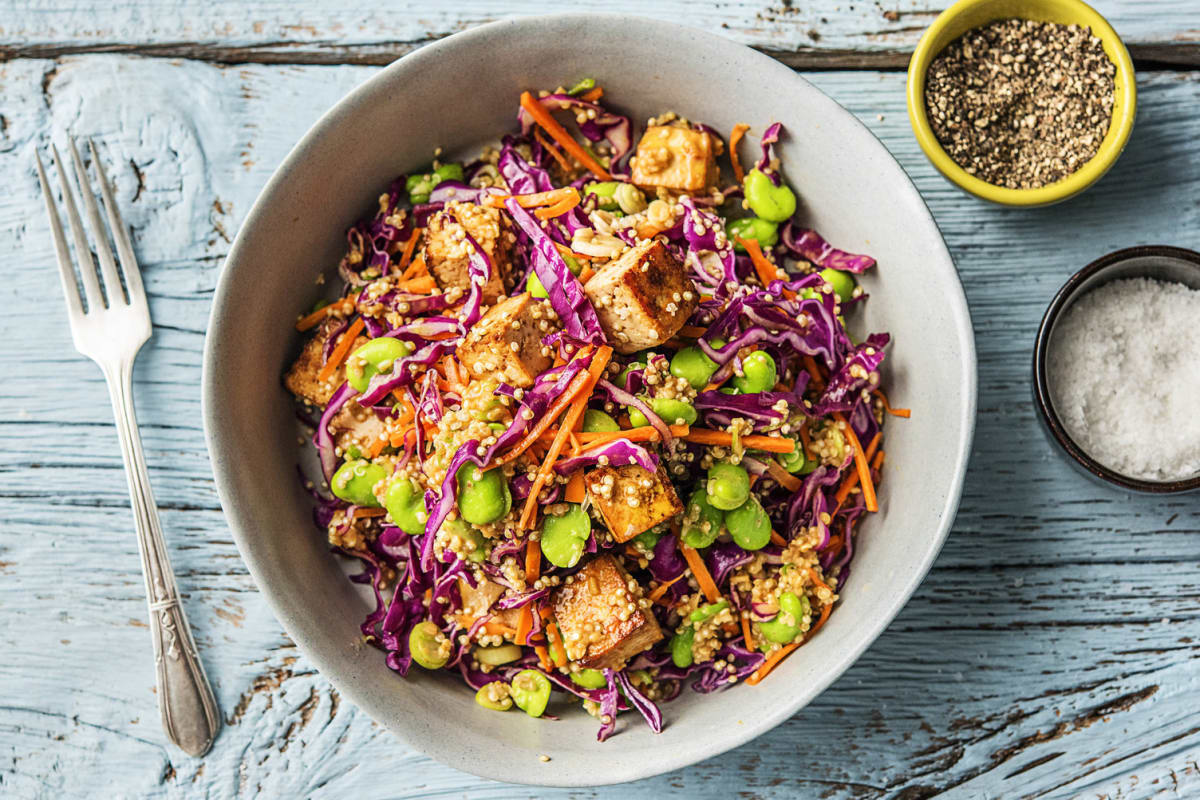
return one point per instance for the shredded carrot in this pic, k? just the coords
(771, 662)
(576, 386)
(524, 625)
(555, 153)
(767, 271)
(586, 274)
(542, 117)
(862, 462)
(593, 439)
(649, 231)
(692, 331)
(573, 412)
(341, 350)
(746, 631)
(777, 539)
(659, 591)
(491, 627)
(376, 447)
(360, 512)
(782, 476)
(543, 656)
(558, 209)
(810, 364)
(576, 492)
(409, 247)
(735, 136)
(771, 444)
(554, 638)
(535, 199)
(700, 571)
(877, 462)
(345, 306)
(533, 561)
(592, 95)
(806, 442)
(895, 412)
(422, 285)
(852, 479)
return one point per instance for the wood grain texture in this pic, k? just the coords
(1052, 652)
(809, 34)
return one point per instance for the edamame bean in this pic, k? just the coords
(636, 366)
(496, 655)
(596, 421)
(707, 523)
(494, 696)
(449, 172)
(605, 192)
(372, 358)
(533, 285)
(760, 230)
(647, 539)
(530, 691)
(796, 462)
(572, 264)
(673, 411)
(681, 647)
(564, 536)
(728, 486)
(429, 646)
(786, 625)
(473, 543)
(759, 374)
(694, 366)
(483, 497)
(419, 187)
(709, 611)
(405, 504)
(749, 525)
(630, 198)
(589, 679)
(768, 201)
(585, 85)
(355, 482)
(842, 282)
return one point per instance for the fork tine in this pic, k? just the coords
(108, 267)
(65, 270)
(87, 267)
(120, 234)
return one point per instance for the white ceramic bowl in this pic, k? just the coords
(462, 92)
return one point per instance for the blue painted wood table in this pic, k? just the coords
(1050, 652)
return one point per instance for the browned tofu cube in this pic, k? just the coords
(506, 342)
(448, 253)
(675, 158)
(602, 615)
(642, 298)
(632, 499)
(301, 379)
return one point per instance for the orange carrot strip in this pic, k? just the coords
(585, 275)
(554, 152)
(771, 444)
(533, 561)
(657, 593)
(576, 491)
(783, 477)
(345, 306)
(696, 564)
(558, 209)
(895, 412)
(771, 662)
(810, 364)
(576, 386)
(422, 285)
(341, 350)
(524, 625)
(852, 479)
(376, 447)
(649, 231)
(862, 462)
(806, 442)
(360, 512)
(735, 136)
(593, 439)
(542, 117)
(746, 631)
(553, 638)
(777, 539)
(592, 95)
(767, 271)
(877, 462)
(534, 199)
(409, 248)
(543, 657)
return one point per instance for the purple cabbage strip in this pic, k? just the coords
(618, 453)
(724, 557)
(323, 438)
(763, 165)
(844, 387)
(440, 507)
(666, 564)
(807, 244)
(603, 124)
(622, 397)
(643, 704)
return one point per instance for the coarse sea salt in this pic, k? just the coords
(1124, 374)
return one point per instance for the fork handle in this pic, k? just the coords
(185, 699)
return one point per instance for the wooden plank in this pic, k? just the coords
(1050, 652)
(817, 34)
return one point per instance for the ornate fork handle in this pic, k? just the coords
(189, 711)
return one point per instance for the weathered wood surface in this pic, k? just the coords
(811, 34)
(1051, 652)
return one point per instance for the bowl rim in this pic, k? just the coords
(235, 501)
(1094, 169)
(1041, 385)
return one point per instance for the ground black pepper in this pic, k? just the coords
(1020, 103)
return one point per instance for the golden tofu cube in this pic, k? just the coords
(506, 342)
(642, 298)
(447, 251)
(632, 499)
(301, 379)
(675, 158)
(603, 617)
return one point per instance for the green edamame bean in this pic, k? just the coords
(533, 285)
(497, 654)
(768, 201)
(673, 411)
(472, 543)
(728, 486)
(842, 282)
(596, 421)
(694, 366)
(709, 611)
(681, 647)
(449, 172)
(494, 696)
(760, 230)
(372, 358)
(564, 536)
(483, 497)
(786, 625)
(630, 198)
(647, 539)
(585, 85)
(605, 192)
(636, 366)
(405, 504)
(707, 523)
(530, 691)
(429, 646)
(589, 679)
(355, 482)
(419, 187)
(796, 462)
(749, 525)
(759, 374)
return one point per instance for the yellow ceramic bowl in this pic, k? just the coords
(967, 14)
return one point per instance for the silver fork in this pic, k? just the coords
(110, 330)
